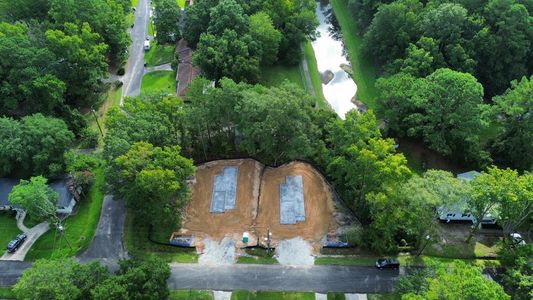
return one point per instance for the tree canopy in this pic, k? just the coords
(35, 197)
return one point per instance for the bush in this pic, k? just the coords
(118, 84)
(121, 71)
(354, 235)
(89, 138)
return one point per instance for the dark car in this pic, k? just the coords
(15, 244)
(387, 263)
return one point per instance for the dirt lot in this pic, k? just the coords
(318, 204)
(197, 218)
(257, 204)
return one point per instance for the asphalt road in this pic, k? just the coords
(283, 278)
(135, 66)
(10, 271)
(107, 246)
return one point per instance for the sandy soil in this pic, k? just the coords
(199, 221)
(257, 205)
(317, 198)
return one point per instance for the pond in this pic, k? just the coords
(338, 86)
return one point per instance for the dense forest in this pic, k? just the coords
(55, 56)
(456, 74)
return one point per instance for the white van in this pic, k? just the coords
(146, 45)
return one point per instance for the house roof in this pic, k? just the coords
(61, 186)
(468, 175)
(6, 185)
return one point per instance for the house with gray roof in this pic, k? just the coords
(67, 194)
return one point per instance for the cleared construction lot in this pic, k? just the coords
(257, 204)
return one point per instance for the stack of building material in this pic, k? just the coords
(224, 190)
(291, 200)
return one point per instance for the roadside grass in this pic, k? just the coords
(258, 256)
(159, 54)
(190, 295)
(309, 55)
(159, 81)
(8, 228)
(365, 71)
(137, 243)
(336, 296)
(112, 99)
(151, 28)
(6, 293)
(134, 3)
(258, 295)
(405, 261)
(277, 74)
(79, 228)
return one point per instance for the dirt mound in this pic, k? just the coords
(257, 208)
(319, 206)
(198, 220)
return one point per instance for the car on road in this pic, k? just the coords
(146, 45)
(15, 244)
(387, 263)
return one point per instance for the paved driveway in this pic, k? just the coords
(33, 234)
(107, 246)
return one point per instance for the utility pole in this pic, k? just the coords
(98, 123)
(428, 238)
(61, 229)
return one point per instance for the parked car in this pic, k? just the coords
(15, 244)
(387, 263)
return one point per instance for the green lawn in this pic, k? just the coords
(159, 81)
(134, 3)
(276, 75)
(137, 243)
(8, 228)
(190, 295)
(336, 296)
(405, 260)
(159, 55)
(253, 295)
(6, 293)
(383, 297)
(79, 228)
(364, 70)
(259, 256)
(309, 54)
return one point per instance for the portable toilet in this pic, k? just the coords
(245, 237)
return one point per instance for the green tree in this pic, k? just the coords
(266, 35)
(407, 210)
(275, 123)
(197, 20)
(154, 118)
(153, 181)
(144, 279)
(363, 11)
(499, 190)
(395, 94)
(48, 279)
(105, 17)
(505, 46)
(518, 275)
(26, 9)
(227, 14)
(513, 111)
(362, 161)
(36, 197)
(82, 61)
(11, 148)
(393, 28)
(229, 55)
(113, 288)
(167, 15)
(28, 86)
(297, 21)
(459, 281)
(44, 141)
